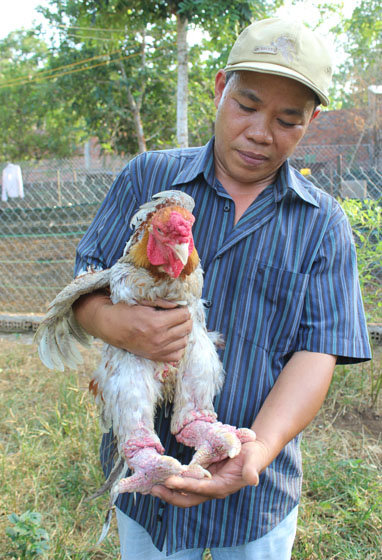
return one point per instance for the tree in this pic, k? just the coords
(362, 68)
(33, 124)
(144, 15)
(206, 15)
(111, 72)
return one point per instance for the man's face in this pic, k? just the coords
(260, 120)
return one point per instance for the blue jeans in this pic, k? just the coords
(136, 543)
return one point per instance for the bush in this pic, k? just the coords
(365, 218)
(28, 536)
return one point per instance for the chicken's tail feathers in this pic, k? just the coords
(113, 497)
(59, 332)
(56, 345)
(117, 472)
(109, 515)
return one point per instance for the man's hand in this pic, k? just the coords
(228, 477)
(156, 330)
(291, 404)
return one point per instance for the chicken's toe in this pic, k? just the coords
(213, 441)
(195, 470)
(150, 468)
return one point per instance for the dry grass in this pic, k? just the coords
(49, 454)
(49, 462)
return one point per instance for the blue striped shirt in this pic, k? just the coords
(282, 279)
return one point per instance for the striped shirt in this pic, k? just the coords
(282, 279)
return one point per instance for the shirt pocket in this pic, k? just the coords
(271, 308)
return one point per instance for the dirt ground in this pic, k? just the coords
(365, 421)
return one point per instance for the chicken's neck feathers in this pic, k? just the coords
(132, 284)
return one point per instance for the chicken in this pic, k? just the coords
(159, 262)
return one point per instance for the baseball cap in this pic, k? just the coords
(285, 48)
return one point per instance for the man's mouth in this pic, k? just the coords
(252, 158)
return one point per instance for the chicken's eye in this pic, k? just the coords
(160, 231)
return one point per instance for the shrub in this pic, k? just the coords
(28, 536)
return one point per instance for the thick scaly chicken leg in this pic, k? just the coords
(144, 454)
(194, 422)
(152, 467)
(128, 390)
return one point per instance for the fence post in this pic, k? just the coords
(339, 174)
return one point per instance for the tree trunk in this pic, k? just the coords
(135, 106)
(137, 121)
(182, 93)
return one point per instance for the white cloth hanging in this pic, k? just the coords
(12, 182)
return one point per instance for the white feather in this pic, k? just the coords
(59, 332)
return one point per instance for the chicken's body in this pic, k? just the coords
(159, 262)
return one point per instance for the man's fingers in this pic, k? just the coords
(180, 331)
(160, 303)
(204, 488)
(179, 499)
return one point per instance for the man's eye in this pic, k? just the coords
(246, 109)
(286, 124)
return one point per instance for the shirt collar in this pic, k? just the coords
(287, 179)
(202, 164)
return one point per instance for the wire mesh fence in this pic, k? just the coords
(39, 232)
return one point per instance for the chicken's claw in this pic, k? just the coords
(213, 441)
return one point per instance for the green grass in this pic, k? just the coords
(49, 463)
(49, 455)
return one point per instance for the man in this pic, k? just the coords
(280, 284)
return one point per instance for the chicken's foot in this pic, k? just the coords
(213, 440)
(144, 454)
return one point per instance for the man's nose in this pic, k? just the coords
(259, 129)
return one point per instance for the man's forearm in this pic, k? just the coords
(156, 330)
(86, 309)
(293, 401)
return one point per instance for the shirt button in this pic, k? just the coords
(207, 303)
(227, 207)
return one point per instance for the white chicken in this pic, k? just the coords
(159, 262)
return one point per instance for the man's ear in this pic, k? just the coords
(220, 81)
(317, 111)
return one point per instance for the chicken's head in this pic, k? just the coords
(170, 240)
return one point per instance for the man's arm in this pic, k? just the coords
(145, 330)
(290, 406)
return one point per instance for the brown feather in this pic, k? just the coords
(93, 387)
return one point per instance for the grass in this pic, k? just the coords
(49, 463)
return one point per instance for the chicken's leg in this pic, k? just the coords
(194, 421)
(144, 454)
(128, 390)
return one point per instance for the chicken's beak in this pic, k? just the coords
(181, 251)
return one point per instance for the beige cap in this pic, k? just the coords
(284, 48)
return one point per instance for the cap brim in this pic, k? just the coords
(277, 70)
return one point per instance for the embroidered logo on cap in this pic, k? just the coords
(285, 45)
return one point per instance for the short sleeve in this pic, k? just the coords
(333, 320)
(104, 241)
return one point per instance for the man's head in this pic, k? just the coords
(264, 107)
